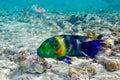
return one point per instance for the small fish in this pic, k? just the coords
(62, 46)
(38, 9)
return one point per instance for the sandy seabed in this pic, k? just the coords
(21, 33)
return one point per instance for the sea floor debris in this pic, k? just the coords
(22, 33)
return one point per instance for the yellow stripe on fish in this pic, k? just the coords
(62, 50)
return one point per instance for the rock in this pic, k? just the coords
(73, 71)
(77, 28)
(118, 34)
(108, 51)
(54, 28)
(91, 70)
(92, 18)
(109, 42)
(92, 35)
(84, 68)
(111, 64)
(75, 18)
(31, 63)
(59, 67)
(105, 76)
(79, 77)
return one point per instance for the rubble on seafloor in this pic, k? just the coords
(20, 38)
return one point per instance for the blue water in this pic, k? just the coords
(62, 5)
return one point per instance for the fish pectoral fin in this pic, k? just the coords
(65, 59)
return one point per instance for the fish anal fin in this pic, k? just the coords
(65, 59)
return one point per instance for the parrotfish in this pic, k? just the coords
(65, 46)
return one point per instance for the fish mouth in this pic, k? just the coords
(39, 54)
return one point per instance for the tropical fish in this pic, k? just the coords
(61, 46)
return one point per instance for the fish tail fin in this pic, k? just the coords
(91, 48)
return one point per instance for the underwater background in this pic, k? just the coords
(62, 5)
(26, 24)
